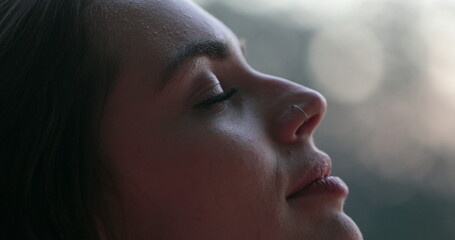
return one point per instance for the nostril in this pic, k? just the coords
(301, 110)
(297, 122)
(309, 125)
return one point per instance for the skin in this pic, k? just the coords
(218, 172)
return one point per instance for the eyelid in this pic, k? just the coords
(202, 86)
(207, 91)
(221, 97)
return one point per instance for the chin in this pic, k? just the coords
(342, 227)
(332, 226)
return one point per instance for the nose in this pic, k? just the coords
(296, 111)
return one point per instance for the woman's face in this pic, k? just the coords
(204, 147)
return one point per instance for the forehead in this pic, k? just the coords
(156, 29)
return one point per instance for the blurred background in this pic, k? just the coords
(387, 69)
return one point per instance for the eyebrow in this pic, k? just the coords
(212, 48)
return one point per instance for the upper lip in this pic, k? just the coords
(320, 168)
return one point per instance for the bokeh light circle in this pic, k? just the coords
(347, 62)
(438, 32)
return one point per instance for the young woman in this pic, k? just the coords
(140, 119)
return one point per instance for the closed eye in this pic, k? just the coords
(217, 98)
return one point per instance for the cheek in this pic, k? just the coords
(219, 163)
(222, 176)
(218, 173)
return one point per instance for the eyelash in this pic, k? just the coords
(217, 99)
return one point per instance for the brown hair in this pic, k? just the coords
(54, 73)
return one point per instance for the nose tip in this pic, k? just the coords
(301, 116)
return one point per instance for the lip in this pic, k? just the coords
(317, 180)
(326, 185)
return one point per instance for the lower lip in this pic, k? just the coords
(327, 185)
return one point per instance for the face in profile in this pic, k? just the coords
(204, 147)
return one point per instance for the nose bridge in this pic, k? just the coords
(293, 111)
